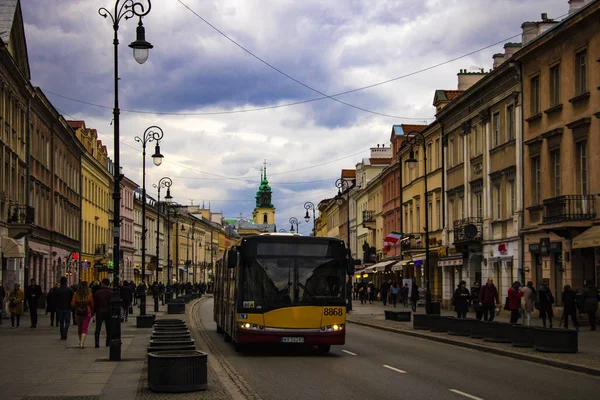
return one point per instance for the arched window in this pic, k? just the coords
(265, 219)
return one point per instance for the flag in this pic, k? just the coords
(392, 238)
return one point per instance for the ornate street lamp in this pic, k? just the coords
(293, 221)
(310, 206)
(123, 9)
(416, 138)
(344, 186)
(164, 182)
(153, 133)
(172, 208)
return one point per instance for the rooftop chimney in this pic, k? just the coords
(510, 49)
(467, 79)
(498, 59)
(575, 5)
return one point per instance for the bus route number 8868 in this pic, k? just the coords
(332, 312)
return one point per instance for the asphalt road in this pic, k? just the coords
(382, 365)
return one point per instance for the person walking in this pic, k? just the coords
(475, 289)
(83, 302)
(2, 298)
(51, 304)
(404, 293)
(127, 296)
(546, 300)
(102, 309)
(488, 300)
(514, 301)
(569, 298)
(529, 295)
(395, 292)
(385, 286)
(362, 293)
(155, 290)
(33, 293)
(64, 296)
(16, 299)
(589, 299)
(461, 300)
(74, 289)
(414, 295)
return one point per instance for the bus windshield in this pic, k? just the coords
(294, 278)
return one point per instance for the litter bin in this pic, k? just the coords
(434, 308)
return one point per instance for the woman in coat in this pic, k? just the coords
(414, 295)
(83, 303)
(589, 299)
(529, 295)
(569, 307)
(461, 300)
(514, 301)
(16, 298)
(51, 304)
(546, 300)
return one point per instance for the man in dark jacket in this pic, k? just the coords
(63, 296)
(127, 296)
(101, 306)
(33, 293)
(589, 299)
(488, 298)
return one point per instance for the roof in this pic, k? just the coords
(76, 124)
(403, 129)
(348, 173)
(7, 15)
(381, 161)
(452, 94)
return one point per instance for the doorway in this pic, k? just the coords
(557, 276)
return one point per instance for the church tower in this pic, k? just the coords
(264, 212)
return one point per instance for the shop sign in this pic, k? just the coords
(446, 251)
(556, 247)
(502, 249)
(545, 246)
(534, 248)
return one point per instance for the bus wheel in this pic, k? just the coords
(227, 337)
(219, 329)
(324, 348)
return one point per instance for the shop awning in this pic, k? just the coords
(589, 238)
(11, 248)
(450, 261)
(397, 266)
(419, 257)
(380, 266)
(182, 268)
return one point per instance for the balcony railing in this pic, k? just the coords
(468, 230)
(20, 214)
(368, 216)
(569, 208)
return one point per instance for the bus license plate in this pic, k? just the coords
(292, 340)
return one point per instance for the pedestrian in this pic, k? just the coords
(33, 293)
(546, 300)
(489, 300)
(475, 289)
(514, 301)
(2, 298)
(395, 293)
(589, 299)
(461, 300)
(16, 299)
(74, 289)
(127, 296)
(64, 296)
(414, 295)
(51, 304)
(569, 298)
(362, 293)
(155, 290)
(83, 302)
(404, 293)
(370, 292)
(385, 286)
(102, 310)
(530, 296)
(161, 290)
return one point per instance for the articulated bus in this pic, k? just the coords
(282, 288)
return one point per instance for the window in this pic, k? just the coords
(438, 151)
(478, 204)
(418, 217)
(461, 144)
(416, 169)
(451, 212)
(555, 160)
(510, 122)
(460, 208)
(496, 128)
(438, 212)
(512, 198)
(451, 152)
(582, 175)
(497, 202)
(429, 156)
(536, 179)
(535, 95)
(581, 72)
(555, 85)
(430, 215)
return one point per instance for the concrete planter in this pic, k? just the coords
(438, 324)
(497, 332)
(176, 308)
(177, 371)
(555, 340)
(522, 336)
(169, 321)
(160, 349)
(460, 326)
(477, 329)
(170, 332)
(145, 321)
(401, 316)
(172, 336)
(171, 342)
(170, 328)
(421, 322)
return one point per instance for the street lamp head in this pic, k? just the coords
(411, 162)
(307, 217)
(292, 228)
(141, 48)
(168, 197)
(339, 200)
(157, 158)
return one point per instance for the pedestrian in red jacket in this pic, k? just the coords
(514, 301)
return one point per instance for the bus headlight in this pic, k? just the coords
(332, 328)
(250, 326)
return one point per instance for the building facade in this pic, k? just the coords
(128, 188)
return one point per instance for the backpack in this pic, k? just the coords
(81, 309)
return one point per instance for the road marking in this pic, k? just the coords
(394, 369)
(349, 352)
(470, 396)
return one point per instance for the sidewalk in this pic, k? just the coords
(587, 360)
(37, 364)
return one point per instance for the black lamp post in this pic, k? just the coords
(293, 221)
(172, 207)
(310, 206)
(188, 262)
(164, 182)
(153, 133)
(343, 186)
(123, 9)
(416, 138)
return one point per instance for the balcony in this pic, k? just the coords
(20, 220)
(369, 219)
(416, 241)
(468, 230)
(569, 208)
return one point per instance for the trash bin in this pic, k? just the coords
(434, 308)
(178, 371)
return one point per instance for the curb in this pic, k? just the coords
(553, 363)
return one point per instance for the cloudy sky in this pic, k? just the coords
(203, 90)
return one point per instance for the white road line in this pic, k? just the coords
(394, 369)
(470, 396)
(349, 352)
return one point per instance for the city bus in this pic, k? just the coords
(283, 288)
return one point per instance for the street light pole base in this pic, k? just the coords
(115, 350)
(144, 321)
